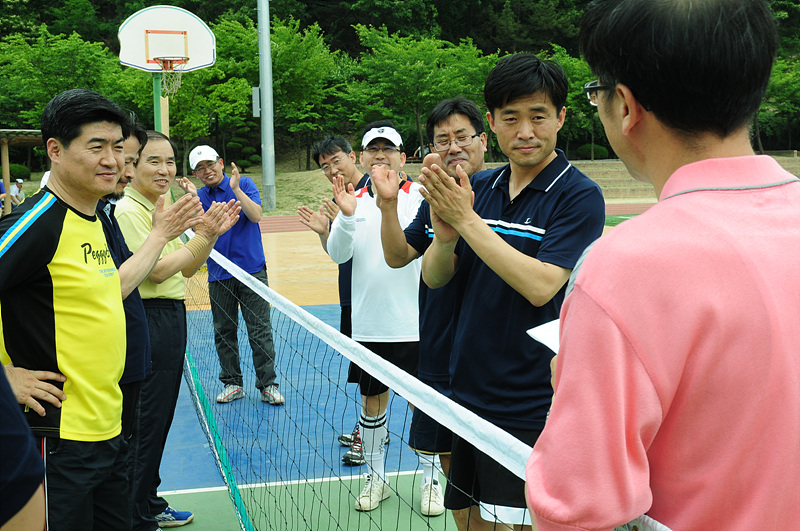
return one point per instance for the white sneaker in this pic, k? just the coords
(230, 393)
(432, 501)
(271, 395)
(373, 494)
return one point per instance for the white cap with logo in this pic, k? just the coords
(201, 153)
(389, 133)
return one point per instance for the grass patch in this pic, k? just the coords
(613, 221)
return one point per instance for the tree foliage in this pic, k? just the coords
(336, 65)
(409, 75)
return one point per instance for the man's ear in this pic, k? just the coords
(54, 149)
(631, 112)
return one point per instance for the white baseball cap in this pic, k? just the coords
(389, 133)
(20, 181)
(201, 153)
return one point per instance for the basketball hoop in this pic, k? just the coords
(171, 71)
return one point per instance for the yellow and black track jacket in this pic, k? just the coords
(61, 310)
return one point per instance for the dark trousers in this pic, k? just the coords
(166, 319)
(86, 484)
(130, 401)
(226, 298)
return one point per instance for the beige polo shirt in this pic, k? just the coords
(135, 216)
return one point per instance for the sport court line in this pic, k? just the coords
(286, 483)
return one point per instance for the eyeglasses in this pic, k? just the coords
(326, 168)
(443, 144)
(202, 168)
(373, 150)
(592, 88)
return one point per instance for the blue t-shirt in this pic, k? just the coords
(242, 243)
(138, 364)
(496, 369)
(346, 269)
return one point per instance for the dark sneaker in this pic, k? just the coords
(346, 439)
(355, 455)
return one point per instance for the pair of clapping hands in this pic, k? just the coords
(448, 198)
(187, 213)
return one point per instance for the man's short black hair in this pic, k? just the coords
(447, 108)
(158, 135)
(523, 74)
(138, 131)
(698, 65)
(330, 145)
(65, 115)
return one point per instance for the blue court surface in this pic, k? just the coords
(278, 447)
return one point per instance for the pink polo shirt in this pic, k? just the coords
(678, 381)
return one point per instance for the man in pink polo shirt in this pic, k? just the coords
(677, 391)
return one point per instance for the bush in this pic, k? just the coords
(19, 171)
(255, 160)
(585, 152)
(233, 146)
(248, 150)
(243, 164)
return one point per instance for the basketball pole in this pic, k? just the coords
(157, 101)
(160, 106)
(267, 126)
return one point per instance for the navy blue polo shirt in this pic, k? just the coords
(496, 369)
(138, 363)
(242, 243)
(437, 311)
(346, 269)
(22, 465)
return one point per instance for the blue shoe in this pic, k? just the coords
(172, 518)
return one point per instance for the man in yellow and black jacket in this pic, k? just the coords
(61, 310)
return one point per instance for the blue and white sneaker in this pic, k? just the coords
(172, 518)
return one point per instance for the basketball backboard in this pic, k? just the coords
(166, 31)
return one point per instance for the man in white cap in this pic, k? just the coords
(17, 195)
(241, 245)
(384, 300)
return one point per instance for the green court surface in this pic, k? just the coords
(322, 505)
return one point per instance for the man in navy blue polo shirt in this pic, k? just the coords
(456, 130)
(512, 252)
(241, 245)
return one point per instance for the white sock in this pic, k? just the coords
(426, 463)
(373, 432)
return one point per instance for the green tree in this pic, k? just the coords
(34, 72)
(403, 77)
(779, 115)
(301, 65)
(581, 120)
(17, 17)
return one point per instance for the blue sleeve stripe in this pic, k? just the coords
(24, 222)
(521, 234)
(521, 227)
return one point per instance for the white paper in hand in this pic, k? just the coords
(547, 334)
